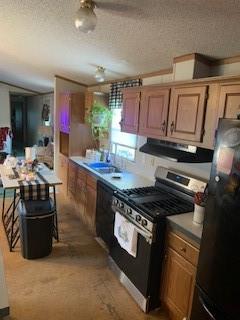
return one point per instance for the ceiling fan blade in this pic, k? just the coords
(118, 8)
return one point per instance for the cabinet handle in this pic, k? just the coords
(183, 249)
(163, 126)
(172, 127)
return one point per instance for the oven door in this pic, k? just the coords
(137, 270)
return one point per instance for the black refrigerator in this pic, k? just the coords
(217, 291)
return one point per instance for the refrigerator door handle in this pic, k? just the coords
(206, 308)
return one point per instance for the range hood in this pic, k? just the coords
(176, 152)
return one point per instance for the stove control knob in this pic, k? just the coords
(138, 218)
(115, 202)
(129, 211)
(144, 222)
(121, 205)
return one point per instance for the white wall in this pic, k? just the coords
(5, 120)
(146, 164)
(5, 90)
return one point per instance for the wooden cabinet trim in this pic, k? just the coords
(177, 296)
(153, 123)
(181, 125)
(183, 247)
(82, 174)
(227, 91)
(91, 181)
(130, 116)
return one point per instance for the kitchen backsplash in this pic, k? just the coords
(146, 165)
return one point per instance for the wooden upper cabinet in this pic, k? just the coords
(64, 112)
(187, 112)
(229, 102)
(72, 110)
(154, 112)
(77, 107)
(130, 112)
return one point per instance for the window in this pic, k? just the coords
(122, 144)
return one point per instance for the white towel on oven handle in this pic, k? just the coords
(126, 234)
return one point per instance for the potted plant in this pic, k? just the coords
(99, 119)
(199, 207)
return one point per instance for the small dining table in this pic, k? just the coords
(11, 182)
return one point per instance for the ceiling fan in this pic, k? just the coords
(86, 18)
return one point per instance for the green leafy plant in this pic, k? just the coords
(99, 119)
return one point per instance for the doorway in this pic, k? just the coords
(18, 106)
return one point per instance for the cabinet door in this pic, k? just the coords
(229, 102)
(187, 112)
(154, 112)
(81, 196)
(130, 112)
(72, 174)
(77, 114)
(90, 215)
(63, 172)
(178, 286)
(81, 190)
(64, 112)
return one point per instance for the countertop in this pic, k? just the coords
(184, 223)
(181, 222)
(128, 179)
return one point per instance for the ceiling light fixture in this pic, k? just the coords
(100, 74)
(86, 18)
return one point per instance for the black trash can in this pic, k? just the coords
(36, 220)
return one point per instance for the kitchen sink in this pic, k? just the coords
(103, 167)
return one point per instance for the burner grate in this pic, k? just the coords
(155, 201)
(145, 191)
(171, 205)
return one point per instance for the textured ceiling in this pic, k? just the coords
(38, 38)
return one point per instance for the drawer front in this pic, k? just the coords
(184, 248)
(92, 182)
(81, 174)
(81, 185)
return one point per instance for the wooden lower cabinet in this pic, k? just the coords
(178, 279)
(82, 190)
(72, 172)
(90, 214)
(63, 173)
(80, 197)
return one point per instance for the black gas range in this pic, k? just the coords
(146, 209)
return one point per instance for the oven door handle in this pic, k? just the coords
(147, 235)
(206, 307)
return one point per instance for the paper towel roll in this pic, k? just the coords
(30, 153)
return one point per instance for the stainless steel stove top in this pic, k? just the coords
(172, 194)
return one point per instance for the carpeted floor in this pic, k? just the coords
(73, 283)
